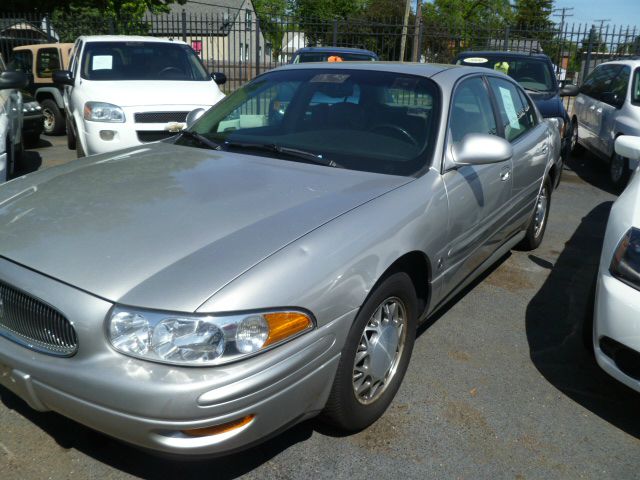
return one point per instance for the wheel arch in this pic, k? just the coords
(50, 93)
(415, 264)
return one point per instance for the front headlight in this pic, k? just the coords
(191, 339)
(103, 112)
(625, 265)
(31, 107)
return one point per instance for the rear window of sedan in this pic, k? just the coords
(383, 122)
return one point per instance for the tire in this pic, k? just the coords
(619, 172)
(538, 225)
(574, 147)
(79, 150)
(378, 382)
(53, 119)
(71, 137)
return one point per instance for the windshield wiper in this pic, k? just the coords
(201, 139)
(292, 152)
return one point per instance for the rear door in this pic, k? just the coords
(478, 195)
(529, 139)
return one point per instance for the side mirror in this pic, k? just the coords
(63, 77)
(569, 91)
(16, 80)
(628, 146)
(612, 99)
(193, 116)
(480, 149)
(219, 77)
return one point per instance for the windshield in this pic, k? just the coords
(141, 61)
(332, 57)
(356, 119)
(531, 73)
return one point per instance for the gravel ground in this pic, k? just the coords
(499, 385)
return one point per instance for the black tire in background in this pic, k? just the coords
(54, 122)
(619, 172)
(71, 137)
(344, 410)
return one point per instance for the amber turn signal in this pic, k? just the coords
(285, 324)
(218, 429)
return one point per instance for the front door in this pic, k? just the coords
(477, 194)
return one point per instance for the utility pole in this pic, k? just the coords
(405, 26)
(562, 15)
(602, 20)
(416, 35)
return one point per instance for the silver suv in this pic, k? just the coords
(608, 106)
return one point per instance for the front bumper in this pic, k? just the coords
(150, 404)
(617, 319)
(106, 137)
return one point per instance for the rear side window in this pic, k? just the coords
(22, 61)
(600, 80)
(48, 60)
(471, 110)
(516, 114)
(635, 90)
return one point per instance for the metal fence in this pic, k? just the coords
(241, 44)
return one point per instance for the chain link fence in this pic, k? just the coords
(242, 44)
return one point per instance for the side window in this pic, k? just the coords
(22, 61)
(471, 110)
(635, 90)
(47, 61)
(600, 80)
(618, 87)
(73, 65)
(516, 116)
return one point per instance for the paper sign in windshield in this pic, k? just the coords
(475, 60)
(509, 107)
(329, 78)
(102, 62)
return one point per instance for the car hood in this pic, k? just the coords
(549, 104)
(166, 226)
(134, 93)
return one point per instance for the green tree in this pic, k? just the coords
(533, 14)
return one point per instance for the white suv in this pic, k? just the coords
(608, 106)
(123, 91)
(10, 120)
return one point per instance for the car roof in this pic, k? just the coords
(501, 53)
(126, 38)
(421, 69)
(632, 62)
(335, 49)
(36, 46)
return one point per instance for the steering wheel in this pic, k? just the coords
(395, 128)
(170, 69)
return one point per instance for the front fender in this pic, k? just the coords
(45, 92)
(331, 270)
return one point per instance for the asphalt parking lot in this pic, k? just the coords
(499, 385)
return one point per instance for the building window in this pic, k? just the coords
(247, 18)
(241, 52)
(268, 49)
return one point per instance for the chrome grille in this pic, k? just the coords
(160, 117)
(35, 325)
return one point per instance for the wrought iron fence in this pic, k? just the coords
(241, 44)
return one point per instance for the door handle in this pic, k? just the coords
(505, 174)
(543, 150)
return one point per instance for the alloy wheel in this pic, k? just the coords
(379, 350)
(541, 213)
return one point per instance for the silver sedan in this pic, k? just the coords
(272, 262)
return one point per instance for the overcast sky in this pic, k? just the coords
(619, 12)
